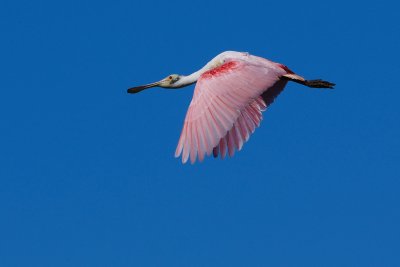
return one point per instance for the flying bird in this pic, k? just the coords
(231, 92)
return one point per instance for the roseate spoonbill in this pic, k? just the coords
(232, 91)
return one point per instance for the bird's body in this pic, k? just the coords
(232, 91)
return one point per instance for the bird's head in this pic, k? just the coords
(167, 82)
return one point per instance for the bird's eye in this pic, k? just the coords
(170, 77)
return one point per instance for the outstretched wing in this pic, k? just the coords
(226, 107)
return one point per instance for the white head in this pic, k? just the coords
(171, 81)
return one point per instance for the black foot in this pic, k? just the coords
(318, 84)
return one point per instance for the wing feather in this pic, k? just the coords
(226, 108)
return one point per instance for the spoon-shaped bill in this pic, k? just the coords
(140, 88)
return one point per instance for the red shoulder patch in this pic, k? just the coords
(224, 68)
(286, 69)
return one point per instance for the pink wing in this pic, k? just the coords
(227, 106)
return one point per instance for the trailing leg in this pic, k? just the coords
(310, 83)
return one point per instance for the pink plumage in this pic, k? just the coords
(227, 106)
(231, 93)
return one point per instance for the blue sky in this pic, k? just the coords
(87, 174)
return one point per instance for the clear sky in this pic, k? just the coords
(87, 173)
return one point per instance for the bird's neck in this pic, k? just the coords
(192, 78)
(187, 80)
